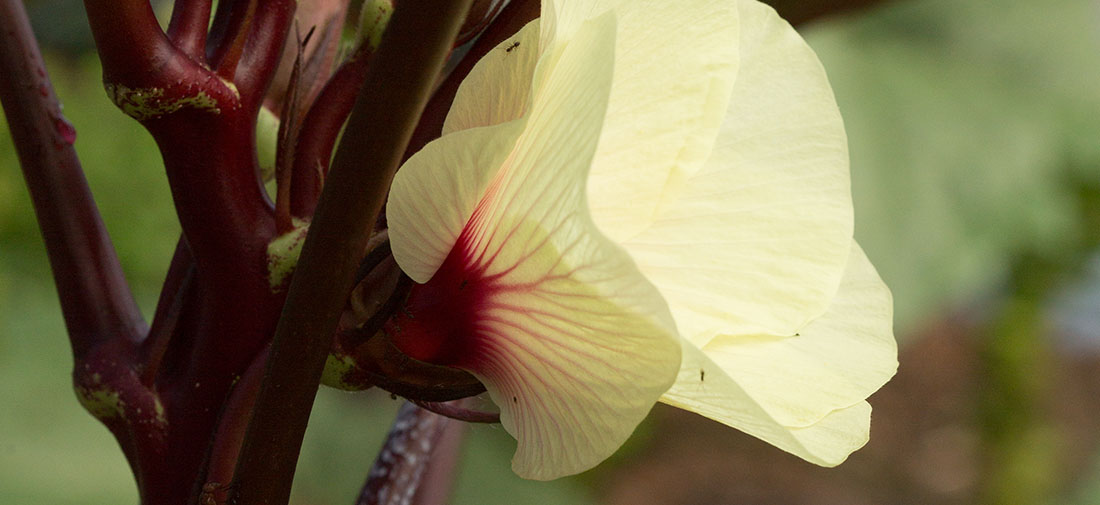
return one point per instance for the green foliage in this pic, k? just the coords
(962, 120)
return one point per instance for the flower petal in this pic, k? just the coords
(498, 87)
(837, 360)
(760, 236)
(435, 192)
(704, 388)
(675, 66)
(570, 340)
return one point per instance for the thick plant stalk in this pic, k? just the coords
(409, 58)
(219, 307)
(95, 298)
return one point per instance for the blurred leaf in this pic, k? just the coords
(961, 117)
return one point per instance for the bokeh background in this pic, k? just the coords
(974, 129)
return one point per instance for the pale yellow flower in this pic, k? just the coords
(636, 201)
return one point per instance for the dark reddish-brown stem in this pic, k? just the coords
(325, 19)
(130, 41)
(319, 131)
(177, 292)
(325, 118)
(228, 30)
(104, 324)
(214, 324)
(95, 298)
(401, 467)
(262, 49)
(402, 74)
(456, 411)
(187, 29)
(208, 151)
(289, 128)
(234, 422)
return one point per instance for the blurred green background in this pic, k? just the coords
(974, 130)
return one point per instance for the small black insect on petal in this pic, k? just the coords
(511, 47)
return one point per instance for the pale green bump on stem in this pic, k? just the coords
(231, 87)
(150, 103)
(101, 402)
(283, 252)
(337, 368)
(373, 18)
(267, 141)
(162, 418)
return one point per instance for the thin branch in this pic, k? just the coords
(409, 58)
(456, 411)
(177, 290)
(320, 128)
(130, 42)
(262, 50)
(326, 18)
(401, 467)
(187, 29)
(227, 35)
(289, 128)
(95, 299)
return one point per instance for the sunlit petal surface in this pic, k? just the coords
(497, 89)
(675, 66)
(757, 241)
(571, 341)
(705, 389)
(703, 139)
(837, 360)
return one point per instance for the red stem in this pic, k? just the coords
(187, 29)
(326, 116)
(456, 411)
(227, 33)
(130, 42)
(319, 132)
(95, 298)
(178, 290)
(262, 50)
(409, 58)
(233, 422)
(205, 137)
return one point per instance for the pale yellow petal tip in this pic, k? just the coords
(836, 437)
